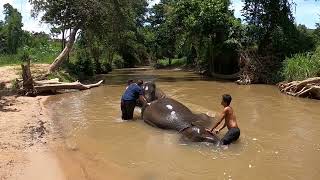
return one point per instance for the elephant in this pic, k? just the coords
(167, 113)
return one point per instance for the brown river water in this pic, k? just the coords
(279, 134)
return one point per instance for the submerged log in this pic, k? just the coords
(308, 88)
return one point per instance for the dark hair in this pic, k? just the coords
(130, 81)
(140, 82)
(227, 99)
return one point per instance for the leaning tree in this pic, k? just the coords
(106, 19)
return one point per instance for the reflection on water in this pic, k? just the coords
(279, 134)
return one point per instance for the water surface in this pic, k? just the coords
(279, 134)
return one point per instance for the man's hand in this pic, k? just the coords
(209, 131)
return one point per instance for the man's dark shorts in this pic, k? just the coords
(232, 135)
(127, 108)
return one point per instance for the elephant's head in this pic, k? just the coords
(151, 92)
(199, 134)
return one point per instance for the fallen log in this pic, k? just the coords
(307, 88)
(45, 82)
(34, 88)
(62, 86)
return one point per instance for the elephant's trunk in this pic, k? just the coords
(197, 134)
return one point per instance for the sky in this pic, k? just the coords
(307, 12)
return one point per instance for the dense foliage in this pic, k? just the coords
(204, 33)
(14, 41)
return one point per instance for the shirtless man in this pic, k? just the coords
(230, 121)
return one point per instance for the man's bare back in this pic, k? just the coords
(230, 118)
(230, 121)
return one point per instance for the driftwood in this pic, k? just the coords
(308, 88)
(33, 88)
(62, 86)
(44, 82)
(256, 67)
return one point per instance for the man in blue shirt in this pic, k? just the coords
(129, 99)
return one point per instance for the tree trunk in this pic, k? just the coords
(63, 40)
(64, 54)
(26, 76)
(28, 87)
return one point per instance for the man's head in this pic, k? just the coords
(140, 82)
(130, 81)
(226, 100)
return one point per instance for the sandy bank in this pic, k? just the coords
(25, 130)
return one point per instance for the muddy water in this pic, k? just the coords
(279, 134)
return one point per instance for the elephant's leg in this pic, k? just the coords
(150, 123)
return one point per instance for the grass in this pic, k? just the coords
(302, 66)
(6, 60)
(163, 63)
(63, 76)
(44, 54)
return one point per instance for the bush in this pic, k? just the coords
(84, 66)
(63, 76)
(302, 66)
(118, 62)
(163, 63)
(106, 67)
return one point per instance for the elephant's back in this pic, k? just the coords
(167, 113)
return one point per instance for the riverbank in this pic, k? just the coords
(26, 129)
(31, 144)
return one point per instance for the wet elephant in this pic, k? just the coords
(167, 113)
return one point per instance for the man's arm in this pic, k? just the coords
(224, 125)
(141, 96)
(223, 115)
(143, 99)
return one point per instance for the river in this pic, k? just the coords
(279, 133)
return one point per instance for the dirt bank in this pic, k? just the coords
(10, 73)
(25, 130)
(31, 144)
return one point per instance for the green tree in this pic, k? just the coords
(12, 29)
(108, 20)
(272, 29)
(164, 42)
(272, 24)
(206, 25)
(2, 38)
(317, 33)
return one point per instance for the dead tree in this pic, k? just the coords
(33, 88)
(27, 85)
